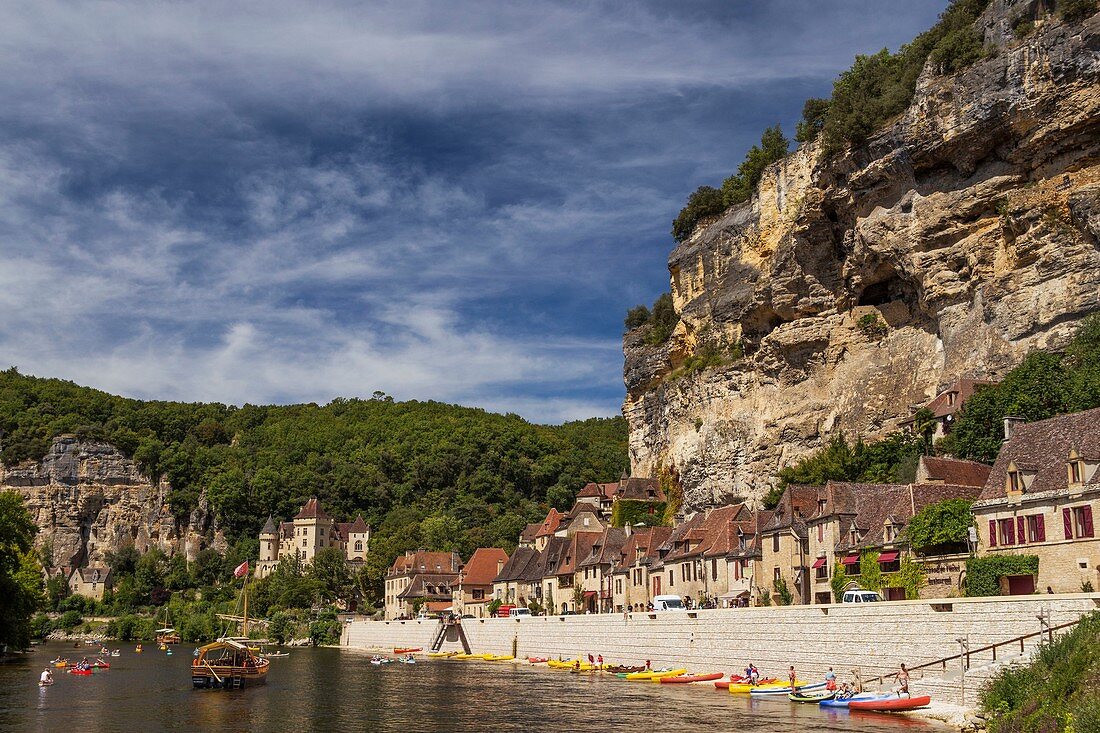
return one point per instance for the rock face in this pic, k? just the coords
(88, 499)
(953, 242)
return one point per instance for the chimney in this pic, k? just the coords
(1011, 423)
(500, 566)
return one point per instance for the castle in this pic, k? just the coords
(308, 533)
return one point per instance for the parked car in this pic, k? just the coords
(861, 596)
(668, 603)
(519, 612)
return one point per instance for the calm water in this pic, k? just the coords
(329, 689)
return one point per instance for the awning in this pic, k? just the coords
(888, 556)
(590, 594)
(850, 560)
(818, 563)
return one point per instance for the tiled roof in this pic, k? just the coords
(269, 526)
(530, 532)
(603, 491)
(954, 471)
(548, 559)
(312, 510)
(359, 526)
(579, 547)
(580, 508)
(482, 566)
(642, 544)
(641, 489)
(286, 529)
(424, 561)
(1044, 446)
(433, 586)
(797, 504)
(941, 406)
(607, 550)
(516, 565)
(551, 523)
(89, 574)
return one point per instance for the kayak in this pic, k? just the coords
(686, 678)
(559, 664)
(84, 672)
(406, 651)
(624, 669)
(584, 668)
(842, 702)
(744, 688)
(898, 703)
(814, 697)
(786, 689)
(45, 684)
(441, 654)
(648, 676)
(538, 660)
(496, 658)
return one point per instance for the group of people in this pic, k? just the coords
(843, 690)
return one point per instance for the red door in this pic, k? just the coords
(657, 585)
(1021, 585)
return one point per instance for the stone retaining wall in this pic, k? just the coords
(875, 638)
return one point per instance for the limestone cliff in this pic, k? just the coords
(88, 499)
(964, 235)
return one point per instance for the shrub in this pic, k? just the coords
(41, 626)
(940, 527)
(983, 574)
(1076, 10)
(326, 629)
(872, 326)
(662, 320)
(703, 204)
(784, 593)
(69, 620)
(740, 187)
(636, 317)
(838, 581)
(814, 112)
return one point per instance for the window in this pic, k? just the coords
(822, 572)
(951, 398)
(1014, 482)
(714, 569)
(1075, 472)
(684, 572)
(775, 543)
(1082, 522)
(1007, 531)
(737, 570)
(618, 586)
(359, 545)
(586, 521)
(671, 579)
(821, 533)
(479, 594)
(303, 542)
(775, 574)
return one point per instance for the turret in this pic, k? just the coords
(269, 542)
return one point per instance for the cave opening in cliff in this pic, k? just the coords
(891, 288)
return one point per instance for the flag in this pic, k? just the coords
(242, 570)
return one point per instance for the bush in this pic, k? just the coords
(1073, 11)
(69, 620)
(326, 629)
(784, 593)
(740, 187)
(41, 626)
(872, 326)
(631, 512)
(636, 317)
(662, 321)
(814, 112)
(706, 202)
(940, 527)
(983, 574)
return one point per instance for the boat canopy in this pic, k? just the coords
(224, 643)
(165, 631)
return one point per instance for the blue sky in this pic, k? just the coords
(286, 201)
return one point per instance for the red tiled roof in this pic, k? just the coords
(359, 526)
(423, 561)
(1044, 446)
(551, 523)
(312, 510)
(963, 387)
(955, 471)
(640, 489)
(579, 547)
(530, 532)
(603, 491)
(483, 566)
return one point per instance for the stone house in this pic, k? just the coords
(631, 577)
(946, 405)
(744, 560)
(549, 528)
(1041, 499)
(785, 547)
(602, 497)
(583, 517)
(542, 578)
(474, 587)
(932, 470)
(594, 573)
(576, 548)
(511, 584)
(696, 563)
(442, 567)
(311, 531)
(91, 582)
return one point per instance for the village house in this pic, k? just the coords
(785, 547)
(744, 559)
(945, 406)
(594, 573)
(311, 531)
(511, 584)
(583, 517)
(474, 587)
(91, 582)
(631, 575)
(549, 528)
(1041, 499)
(567, 596)
(603, 497)
(541, 577)
(420, 577)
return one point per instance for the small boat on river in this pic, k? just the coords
(896, 704)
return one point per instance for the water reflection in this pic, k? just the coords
(328, 689)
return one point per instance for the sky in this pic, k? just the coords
(286, 202)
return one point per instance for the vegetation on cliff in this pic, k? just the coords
(659, 322)
(20, 573)
(423, 474)
(1058, 691)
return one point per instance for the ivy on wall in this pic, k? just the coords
(635, 511)
(910, 576)
(839, 581)
(983, 574)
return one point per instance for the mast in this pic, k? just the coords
(244, 592)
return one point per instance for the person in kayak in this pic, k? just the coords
(903, 681)
(47, 677)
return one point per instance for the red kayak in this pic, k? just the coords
(406, 651)
(538, 660)
(103, 665)
(901, 703)
(685, 678)
(79, 671)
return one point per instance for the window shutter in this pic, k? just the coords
(1086, 520)
(1010, 532)
(1021, 531)
(1040, 529)
(992, 532)
(1067, 523)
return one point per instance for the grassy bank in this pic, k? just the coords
(1059, 691)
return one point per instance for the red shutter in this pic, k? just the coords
(1040, 529)
(1010, 533)
(1086, 520)
(1021, 531)
(992, 532)
(1067, 523)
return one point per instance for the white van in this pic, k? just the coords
(519, 612)
(861, 596)
(668, 603)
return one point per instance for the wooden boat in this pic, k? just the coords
(842, 702)
(654, 674)
(688, 678)
(274, 655)
(811, 697)
(229, 664)
(623, 669)
(167, 635)
(785, 688)
(407, 650)
(891, 705)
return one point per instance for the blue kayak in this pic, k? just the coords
(843, 702)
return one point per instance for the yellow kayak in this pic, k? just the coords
(496, 658)
(441, 654)
(741, 688)
(467, 656)
(655, 674)
(555, 664)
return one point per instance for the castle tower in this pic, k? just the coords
(313, 530)
(358, 540)
(269, 542)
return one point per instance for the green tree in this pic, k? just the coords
(207, 567)
(330, 570)
(636, 317)
(704, 203)
(940, 527)
(740, 187)
(20, 574)
(662, 321)
(814, 112)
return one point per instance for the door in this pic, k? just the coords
(656, 585)
(1021, 585)
(895, 594)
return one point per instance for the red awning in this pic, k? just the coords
(590, 594)
(850, 560)
(817, 563)
(888, 556)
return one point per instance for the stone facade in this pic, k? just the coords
(311, 531)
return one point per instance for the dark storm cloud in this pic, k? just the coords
(458, 201)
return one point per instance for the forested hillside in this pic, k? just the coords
(421, 473)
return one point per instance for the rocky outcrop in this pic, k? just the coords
(88, 499)
(850, 288)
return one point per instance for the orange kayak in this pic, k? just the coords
(406, 651)
(685, 678)
(901, 703)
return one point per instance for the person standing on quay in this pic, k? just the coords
(903, 681)
(793, 676)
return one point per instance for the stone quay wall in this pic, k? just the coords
(875, 638)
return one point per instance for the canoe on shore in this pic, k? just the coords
(893, 705)
(538, 660)
(496, 658)
(786, 689)
(624, 669)
(744, 688)
(811, 697)
(842, 702)
(688, 678)
(407, 650)
(655, 674)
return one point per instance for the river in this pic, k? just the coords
(339, 690)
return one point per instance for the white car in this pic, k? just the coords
(861, 596)
(668, 603)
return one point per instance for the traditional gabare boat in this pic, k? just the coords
(228, 663)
